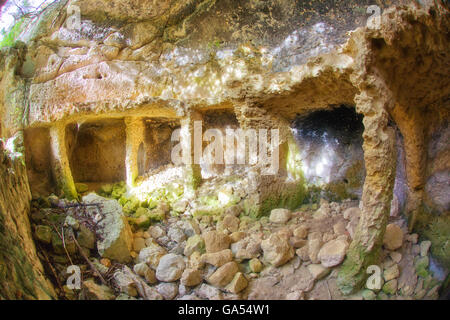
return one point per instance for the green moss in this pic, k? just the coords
(105, 190)
(423, 273)
(149, 203)
(10, 37)
(209, 200)
(292, 194)
(43, 233)
(157, 215)
(207, 211)
(353, 272)
(369, 295)
(430, 282)
(43, 202)
(340, 190)
(119, 189)
(123, 200)
(169, 194)
(81, 187)
(173, 192)
(193, 177)
(435, 228)
(390, 287)
(196, 243)
(291, 198)
(293, 161)
(141, 218)
(131, 205)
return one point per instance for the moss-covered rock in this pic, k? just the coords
(131, 206)
(106, 190)
(43, 234)
(435, 228)
(390, 287)
(60, 246)
(114, 233)
(194, 243)
(421, 266)
(81, 187)
(119, 189)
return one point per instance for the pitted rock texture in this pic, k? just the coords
(183, 60)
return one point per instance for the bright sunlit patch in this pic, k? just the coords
(10, 13)
(224, 198)
(156, 181)
(317, 169)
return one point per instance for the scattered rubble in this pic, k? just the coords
(290, 255)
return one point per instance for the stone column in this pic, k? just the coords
(135, 132)
(411, 125)
(191, 141)
(380, 162)
(60, 162)
(250, 116)
(272, 190)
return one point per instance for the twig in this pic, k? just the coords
(64, 243)
(78, 205)
(51, 268)
(328, 288)
(94, 269)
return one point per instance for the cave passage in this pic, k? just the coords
(330, 143)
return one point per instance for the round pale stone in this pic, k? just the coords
(280, 215)
(332, 253)
(393, 238)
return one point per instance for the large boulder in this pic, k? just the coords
(115, 239)
(277, 250)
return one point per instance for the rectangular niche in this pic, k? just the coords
(156, 150)
(219, 119)
(97, 150)
(38, 161)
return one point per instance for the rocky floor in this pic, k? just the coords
(289, 255)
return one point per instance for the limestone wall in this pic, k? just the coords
(266, 62)
(21, 272)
